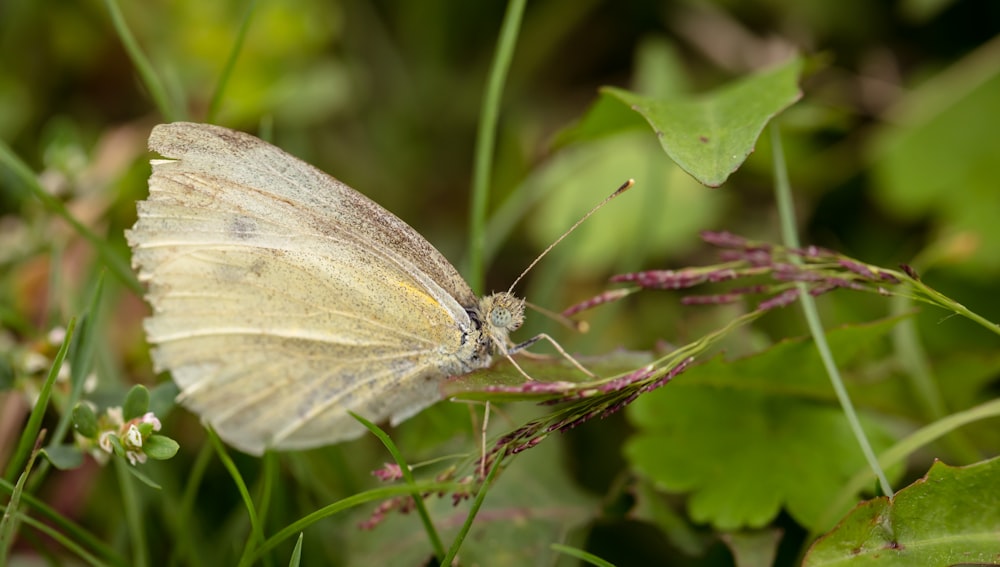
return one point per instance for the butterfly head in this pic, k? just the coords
(503, 314)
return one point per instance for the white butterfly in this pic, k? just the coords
(282, 298)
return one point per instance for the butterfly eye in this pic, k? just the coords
(501, 317)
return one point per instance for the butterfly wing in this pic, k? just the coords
(282, 299)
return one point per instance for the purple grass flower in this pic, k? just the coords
(606, 297)
(389, 472)
(664, 279)
(536, 387)
(780, 300)
(527, 445)
(812, 251)
(618, 406)
(680, 367)
(908, 270)
(383, 508)
(722, 275)
(797, 276)
(723, 239)
(820, 290)
(754, 256)
(848, 284)
(715, 299)
(630, 378)
(858, 268)
(887, 277)
(759, 257)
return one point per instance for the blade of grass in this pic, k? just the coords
(256, 531)
(60, 522)
(477, 503)
(11, 516)
(66, 542)
(80, 357)
(404, 467)
(296, 557)
(227, 69)
(581, 555)
(265, 487)
(30, 433)
(374, 495)
(142, 64)
(786, 212)
(486, 142)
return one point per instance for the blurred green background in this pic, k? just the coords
(893, 155)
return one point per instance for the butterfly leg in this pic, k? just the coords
(521, 346)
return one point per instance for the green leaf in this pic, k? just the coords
(659, 72)
(116, 445)
(749, 437)
(296, 557)
(606, 117)
(662, 214)
(160, 447)
(136, 402)
(85, 421)
(951, 516)
(141, 477)
(710, 137)
(63, 457)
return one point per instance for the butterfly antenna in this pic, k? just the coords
(578, 326)
(625, 187)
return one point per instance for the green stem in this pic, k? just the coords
(133, 516)
(486, 142)
(786, 212)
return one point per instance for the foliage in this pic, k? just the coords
(721, 429)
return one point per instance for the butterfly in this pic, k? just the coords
(282, 299)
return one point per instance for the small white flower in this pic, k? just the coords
(149, 417)
(133, 438)
(104, 441)
(134, 457)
